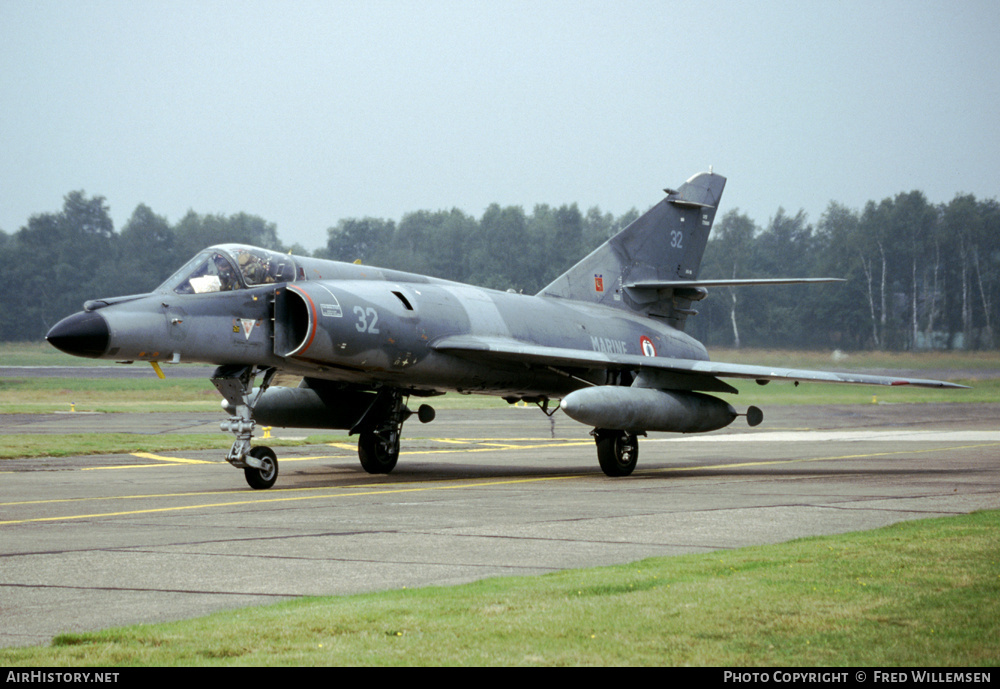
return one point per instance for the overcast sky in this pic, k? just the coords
(308, 112)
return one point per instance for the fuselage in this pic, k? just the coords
(358, 324)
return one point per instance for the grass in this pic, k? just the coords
(43, 395)
(48, 394)
(782, 393)
(848, 361)
(114, 395)
(75, 444)
(41, 353)
(110, 395)
(919, 593)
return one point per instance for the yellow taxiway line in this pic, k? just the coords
(477, 446)
(321, 493)
(263, 500)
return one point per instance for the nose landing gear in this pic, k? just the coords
(235, 383)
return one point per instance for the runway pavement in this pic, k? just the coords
(98, 541)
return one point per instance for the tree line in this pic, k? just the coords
(920, 276)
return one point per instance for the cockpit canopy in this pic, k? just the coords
(230, 266)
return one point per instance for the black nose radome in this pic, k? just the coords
(82, 334)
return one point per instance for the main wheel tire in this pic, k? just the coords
(617, 452)
(264, 477)
(377, 455)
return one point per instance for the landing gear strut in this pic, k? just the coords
(617, 451)
(380, 428)
(235, 383)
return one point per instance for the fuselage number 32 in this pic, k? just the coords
(367, 320)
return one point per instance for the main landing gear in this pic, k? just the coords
(380, 427)
(617, 451)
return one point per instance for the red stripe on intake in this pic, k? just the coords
(312, 321)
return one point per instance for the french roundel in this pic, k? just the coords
(647, 346)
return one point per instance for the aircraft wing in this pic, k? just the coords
(704, 374)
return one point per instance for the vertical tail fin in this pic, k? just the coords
(664, 245)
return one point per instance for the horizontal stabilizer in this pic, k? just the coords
(684, 203)
(672, 284)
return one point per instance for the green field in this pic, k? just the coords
(23, 395)
(109, 395)
(851, 361)
(21, 446)
(919, 593)
(979, 370)
(43, 354)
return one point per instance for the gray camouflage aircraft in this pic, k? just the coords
(606, 339)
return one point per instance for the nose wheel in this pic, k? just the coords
(264, 476)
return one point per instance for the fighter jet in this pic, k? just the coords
(604, 343)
